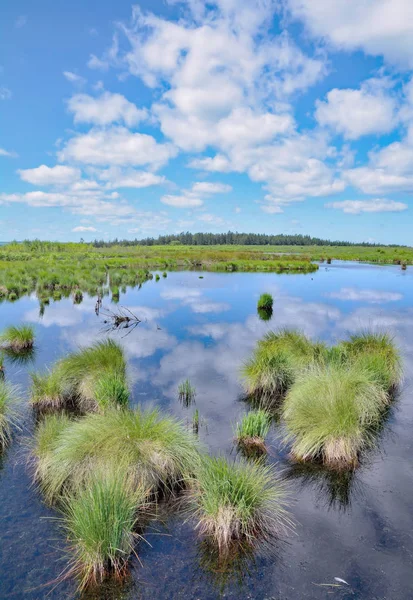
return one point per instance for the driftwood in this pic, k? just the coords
(123, 318)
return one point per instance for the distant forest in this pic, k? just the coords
(229, 238)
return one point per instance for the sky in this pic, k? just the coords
(272, 116)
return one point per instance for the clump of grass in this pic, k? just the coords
(378, 353)
(111, 390)
(186, 393)
(99, 522)
(96, 373)
(276, 361)
(253, 429)
(18, 338)
(265, 302)
(157, 277)
(239, 502)
(8, 397)
(48, 390)
(328, 413)
(164, 274)
(146, 447)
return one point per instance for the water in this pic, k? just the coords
(357, 529)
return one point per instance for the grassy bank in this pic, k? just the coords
(70, 269)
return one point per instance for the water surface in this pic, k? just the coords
(355, 528)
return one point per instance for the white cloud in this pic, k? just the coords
(4, 152)
(354, 113)
(378, 27)
(183, 201)
(389, 170)
(377, 205)
(211, 219)
(83, 229)
(74, 78)
(129, 178)
(195, 196)
(207, 187)
(107, 108)
(44, 175)
(369, 296)
(116, 146)
(225, 81)
(5, 93)
(217, 163)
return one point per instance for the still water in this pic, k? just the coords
(356, 528)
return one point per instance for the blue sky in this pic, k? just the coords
(278, 116)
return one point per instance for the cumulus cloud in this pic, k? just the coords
(83, 229)
(116, 146)
(107, 108)
(195, 196)
(44, 175)
(115, 177)
(377, 205)
(378, 27)
(354, 113)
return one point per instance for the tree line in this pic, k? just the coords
(230, 238)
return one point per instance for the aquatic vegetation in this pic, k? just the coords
(99, 521)
(328, 412)
(48, 390)
(378, 353)
(157, 277)
(186, 393)
(148, 448)
(265, 302)
(275, 363)
(195, 421)
(111, 390)
(164, 274)
(17, 338)
(237, 502)
(87, 374)
(253, 429)
(8, 397)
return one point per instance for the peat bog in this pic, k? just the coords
(185, 357)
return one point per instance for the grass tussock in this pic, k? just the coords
(100, 521)
(48, 390)
(265, 302)
(17, 338)
(96, 376)
(275, 363)
(253, 429)
(378, 353)
(146, 447)
(8, 398)
(237, 502)
(186, 393)
(328, 413)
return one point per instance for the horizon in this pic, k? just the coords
(290, 116)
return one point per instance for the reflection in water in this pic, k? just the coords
(265, 314)
(20, 358)
(204, 330)
(334, 489)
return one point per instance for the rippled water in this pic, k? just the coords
(355, 528)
